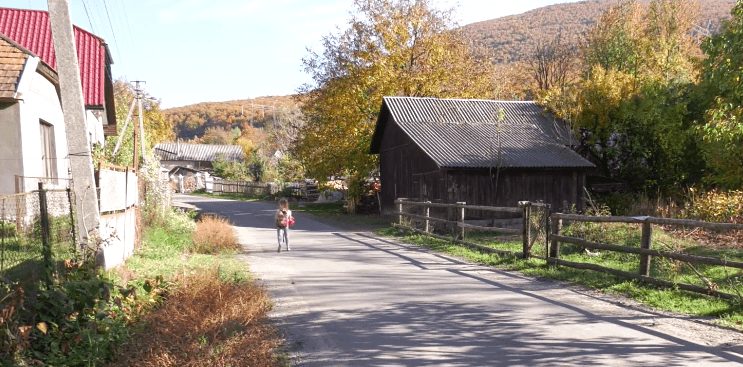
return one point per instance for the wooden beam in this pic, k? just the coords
(646, 279)
(641, 251)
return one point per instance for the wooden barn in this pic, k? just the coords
(475, 151)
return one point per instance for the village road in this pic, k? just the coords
(355, 299)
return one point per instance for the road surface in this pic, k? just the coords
(354, 299)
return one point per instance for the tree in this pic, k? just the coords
(218, 135)
(391, 47)
(551, 63)
(156, 126)
(632, 106)
(722, 129)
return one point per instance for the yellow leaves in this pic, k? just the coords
(42, 327)
(601, 94)
(396, 47)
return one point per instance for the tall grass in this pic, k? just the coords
(206, 322)
(214, 235)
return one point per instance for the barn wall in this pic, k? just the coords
(556, 187)
(403, 166)
(407, 172)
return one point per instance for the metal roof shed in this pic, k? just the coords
(478, 151)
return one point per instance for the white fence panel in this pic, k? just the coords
(119, 198)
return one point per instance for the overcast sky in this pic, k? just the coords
(192, 51)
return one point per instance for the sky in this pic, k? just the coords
(191, 51)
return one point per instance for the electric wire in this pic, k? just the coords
(110, 25)
(90, 21)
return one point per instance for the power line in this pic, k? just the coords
(110, 25)
(126, 21)
(85, 6)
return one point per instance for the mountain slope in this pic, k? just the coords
(513, 38)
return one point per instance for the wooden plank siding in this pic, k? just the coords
(406, 171)
(437, 152)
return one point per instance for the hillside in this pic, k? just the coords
(192, 121)
(514, 37)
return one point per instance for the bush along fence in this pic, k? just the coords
(531, 231)
(36, 234)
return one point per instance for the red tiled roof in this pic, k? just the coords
(31, 29)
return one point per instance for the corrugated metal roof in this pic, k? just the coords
(32, 30)
(467, 133)
(198, 152)
(12, 61)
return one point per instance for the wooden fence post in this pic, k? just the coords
(428, 214)
(46, 240)
(462, 207)
(647, 234)
(526, 230)
(399, 210)
(547, 212)
(554, 252)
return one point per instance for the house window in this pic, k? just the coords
(48, 150)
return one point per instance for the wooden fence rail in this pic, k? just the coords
(552, 225)
(460, 227)
(645, 251)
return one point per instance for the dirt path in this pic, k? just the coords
(353, 299)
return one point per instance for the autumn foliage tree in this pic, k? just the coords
(390, 47)
(721, 84)
(631, 107)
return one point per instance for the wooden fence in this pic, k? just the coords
(645, 251)
(454, 217)
(537, 221)
(299, 190)
(245, 187)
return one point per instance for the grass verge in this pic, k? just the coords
(212, 312)
(727, 313)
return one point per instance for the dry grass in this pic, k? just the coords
(213, 235)
(206, 322)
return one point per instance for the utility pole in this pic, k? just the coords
(78, 144)
(140, 96)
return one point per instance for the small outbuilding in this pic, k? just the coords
(480, 152)
(197, 157)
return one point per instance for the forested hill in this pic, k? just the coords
(193, 120)
(511, 39)
(514, 37)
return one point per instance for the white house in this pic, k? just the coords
(32, 129)
(33, 144)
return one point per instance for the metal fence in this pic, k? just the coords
(36, 233)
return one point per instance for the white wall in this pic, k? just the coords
(39, 101)
(94, 120)
(11, 163)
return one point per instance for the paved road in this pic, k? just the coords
(352, 299)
